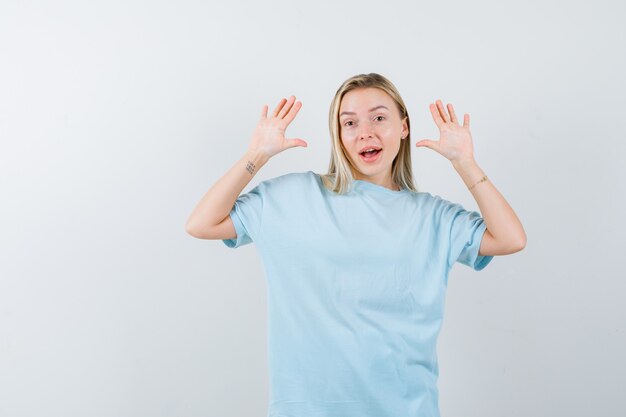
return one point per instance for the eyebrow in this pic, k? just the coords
(371, 110)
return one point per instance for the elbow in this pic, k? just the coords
(197, 232)
(512, 246)
(191, 230)
(521, 244)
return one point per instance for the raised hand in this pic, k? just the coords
(455, 141)
(269, 135)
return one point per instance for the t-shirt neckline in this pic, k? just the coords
(366, 185)
(378, 188)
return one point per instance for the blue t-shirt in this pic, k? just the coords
(356, 289)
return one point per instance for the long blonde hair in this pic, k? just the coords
(339, 175)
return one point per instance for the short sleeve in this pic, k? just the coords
(246, 216)
(466, 229)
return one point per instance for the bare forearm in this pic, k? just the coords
(219, 200)
(501, 220)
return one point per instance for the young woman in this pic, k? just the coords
(357, 260)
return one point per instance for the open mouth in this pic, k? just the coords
(370, 156)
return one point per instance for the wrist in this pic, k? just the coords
(464, 163)
(469, 171)
(254, 160)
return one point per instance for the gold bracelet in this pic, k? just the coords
(481, 180)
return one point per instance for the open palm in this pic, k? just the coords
(455, 141)
(269, 134)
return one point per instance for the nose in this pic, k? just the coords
(365, 131)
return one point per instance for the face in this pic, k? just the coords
(369, 118)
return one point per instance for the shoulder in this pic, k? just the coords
(434, 200)
(289, 182)
(436, 205)
(425, 199)
(290, 178)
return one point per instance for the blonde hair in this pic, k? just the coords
(339, 175)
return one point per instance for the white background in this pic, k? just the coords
(116, 117)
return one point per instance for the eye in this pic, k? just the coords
(380, 116)
(346, 123)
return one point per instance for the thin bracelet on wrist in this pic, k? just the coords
(481, 180)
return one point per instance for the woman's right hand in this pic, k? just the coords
(269, 135)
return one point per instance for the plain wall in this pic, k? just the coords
(116, 117)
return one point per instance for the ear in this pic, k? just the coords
(405, 128)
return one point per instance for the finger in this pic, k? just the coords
(442, 111)
(294, 110)
(436, 116)
(278, 107)
(296, 142)
(427, 143)
(452, 114)
(264, 112)
(466, 120)
(287, 107)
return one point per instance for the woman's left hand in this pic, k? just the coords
(455, 141)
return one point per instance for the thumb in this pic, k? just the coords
(292, 143)
(427, 143)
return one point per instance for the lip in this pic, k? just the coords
(373, 160)
(370, 146)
